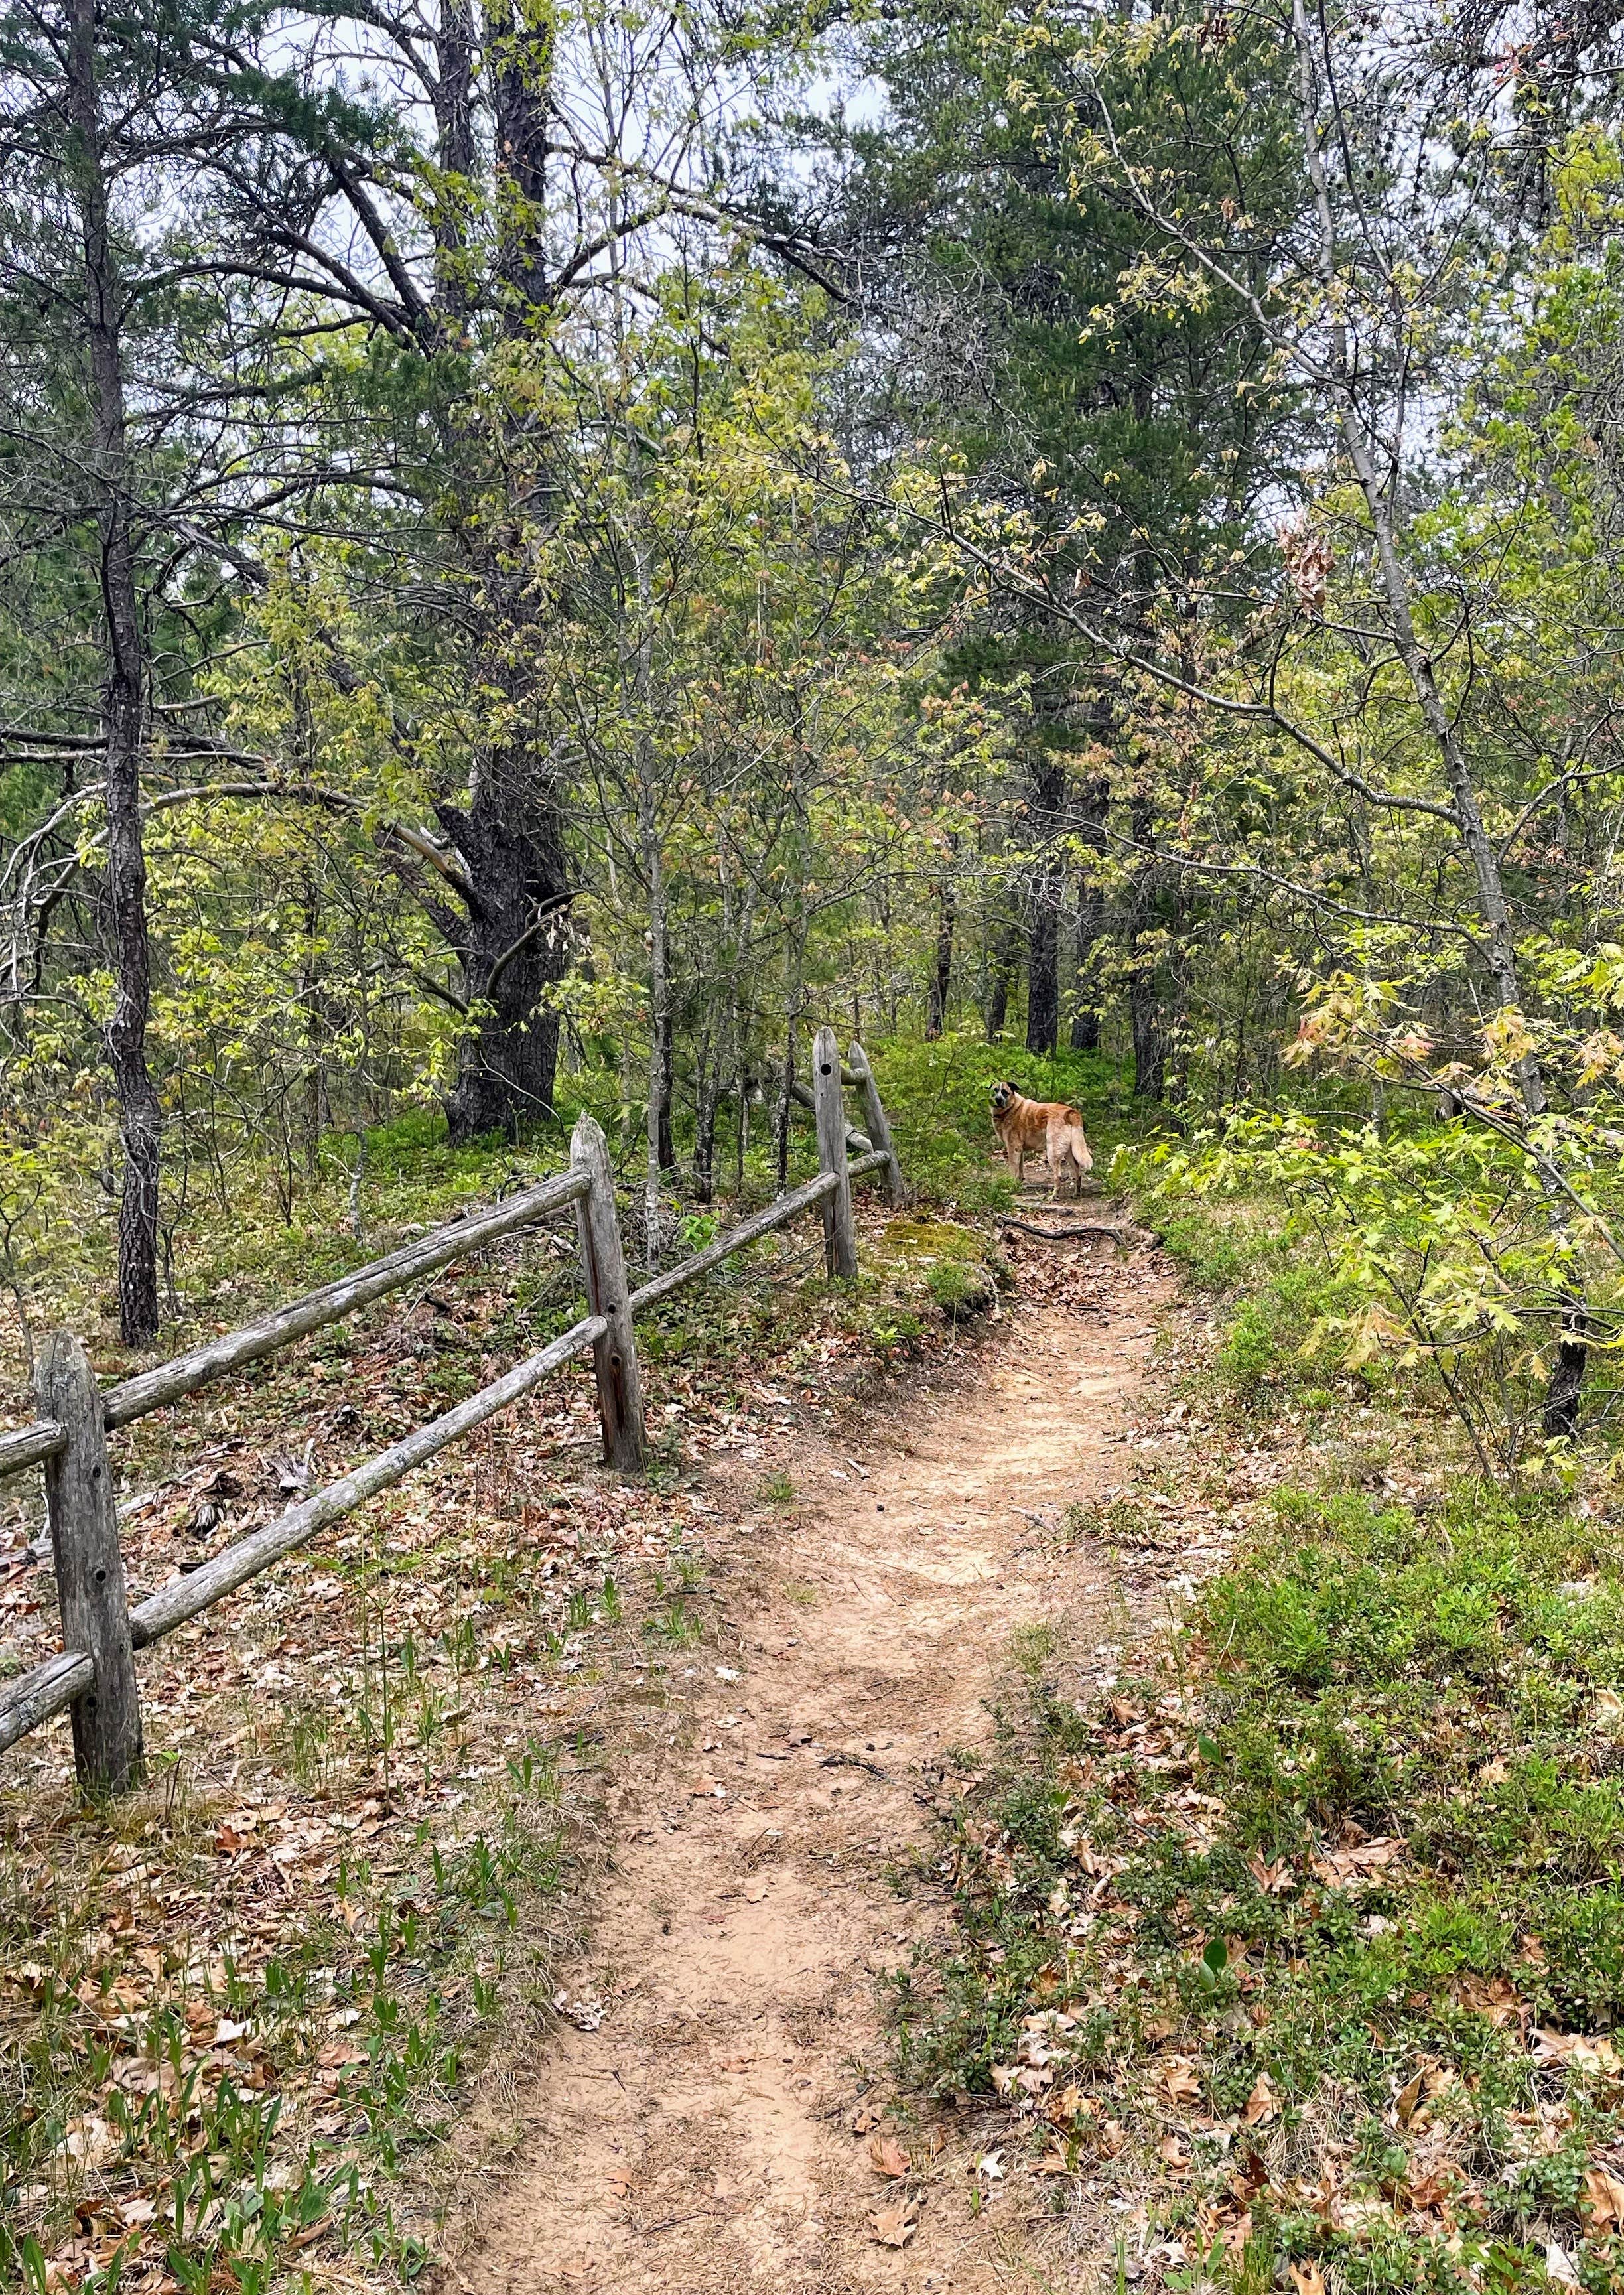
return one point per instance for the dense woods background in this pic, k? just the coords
(549, 548)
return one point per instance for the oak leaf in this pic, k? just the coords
(894, 2225)
(887, 2156)
(1604, 2196)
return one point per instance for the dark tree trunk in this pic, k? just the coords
(1043, 939)
(707, 1092)
(1006, 959)
(123, 713)
(1043, 966)
(1150, 1035)
(1153, 988)
(512, 944)
(455, 39)
(941, 977)
(667, 1072)
(1567, 1379)
(786, 1102)
(1091, 919)
(520, 57)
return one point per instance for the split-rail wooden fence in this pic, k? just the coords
(94, 1675)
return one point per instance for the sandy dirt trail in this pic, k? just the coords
(710, 2134)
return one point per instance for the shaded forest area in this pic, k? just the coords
(546, 551)
(549, 550)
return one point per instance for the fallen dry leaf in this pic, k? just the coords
(1586, 2052)
(1405, 2101)
(1262, 2104)
(1495, 1997)
(1604, 2196)
(1180, 2081)
(1275, 1878)
(887, 2156)
(895, 2225)
(1308, 2279)
(1172, 2153)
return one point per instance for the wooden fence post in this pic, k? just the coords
(880, 1128)
(620, 1393)
(90, 1587)
(839, 1235)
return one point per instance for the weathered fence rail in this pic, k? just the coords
(95, 1676)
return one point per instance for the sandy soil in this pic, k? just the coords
(711, 2132)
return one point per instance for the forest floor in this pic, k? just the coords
(720, 2109)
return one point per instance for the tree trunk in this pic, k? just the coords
(668, 1084)
(519, 47)
(1043, 943)
(1091, 919)
(512, 944)
(1043, 966)
(785, 1102)
(658, 1129)
(124, 696)
(941, 977)
(706, 1095)
(1146, 1013)
(1006, 959)
(457, 151)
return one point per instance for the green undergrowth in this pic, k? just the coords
(1313, 1924)
(252, 1234)
(937, 1096)
(240, 2010)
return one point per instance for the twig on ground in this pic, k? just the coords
(1118, 1235)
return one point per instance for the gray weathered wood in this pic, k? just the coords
(839, 1235)
(47, 1689)
(184, 1598)
(167, 1382)
(90, 1587)
(857, 1143)
(608, 1294)
(880, 1128)
(26, 1446)
(69, 1679)
(778, 1214)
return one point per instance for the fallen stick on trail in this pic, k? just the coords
(1070, 1234)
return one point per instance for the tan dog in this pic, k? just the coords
(1025, 1125)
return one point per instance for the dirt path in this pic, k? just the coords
(710, 2132)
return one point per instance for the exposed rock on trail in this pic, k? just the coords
(710, 2118)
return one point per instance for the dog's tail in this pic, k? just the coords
(1077, 1141)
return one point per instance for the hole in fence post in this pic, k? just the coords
(839, 1235)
